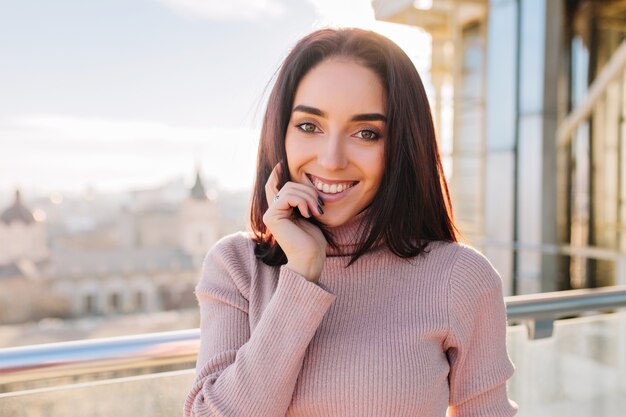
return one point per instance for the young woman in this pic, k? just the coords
(351, 296)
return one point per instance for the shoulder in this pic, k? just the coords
(236, 247)
(469, 270)
(229, 260)
(474, 279)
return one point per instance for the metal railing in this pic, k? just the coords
(539, 311)
(69, 362)
(63, 363)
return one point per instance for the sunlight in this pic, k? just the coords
(414, 41)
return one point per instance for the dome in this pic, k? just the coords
(17, 212)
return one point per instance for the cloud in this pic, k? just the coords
(90, 130)
(245, 10)
(71, 151)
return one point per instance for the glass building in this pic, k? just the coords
(538, 176)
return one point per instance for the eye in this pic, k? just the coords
(368, 135)
(307, 127)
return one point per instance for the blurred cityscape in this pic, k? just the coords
(103, 264)
(529, 103)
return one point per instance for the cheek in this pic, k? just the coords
(294, 156)
(375, 167)
(378, 164)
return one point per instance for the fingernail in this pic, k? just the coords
(319, 199)
(319, 208)
(308, 211)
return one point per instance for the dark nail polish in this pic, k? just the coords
(319, 199)
(319, 208)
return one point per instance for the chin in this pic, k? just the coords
(331, 223)
(334, 221)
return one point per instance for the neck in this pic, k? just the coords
(347, 236)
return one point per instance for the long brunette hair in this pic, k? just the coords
(412, 206)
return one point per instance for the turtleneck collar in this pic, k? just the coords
(347, 236)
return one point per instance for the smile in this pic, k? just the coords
(331, 186)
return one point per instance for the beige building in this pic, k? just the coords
(22, 237)
(150, 262)
(23, 253)
(198, 223)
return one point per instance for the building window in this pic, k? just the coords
(114, 302)
(139, 301)
(90, 304)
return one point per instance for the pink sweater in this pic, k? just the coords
(384, 337)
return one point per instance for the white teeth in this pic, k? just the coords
(331, 188)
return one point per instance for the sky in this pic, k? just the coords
(125, 94)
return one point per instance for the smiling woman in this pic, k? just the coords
(351, 295)
(336, 141)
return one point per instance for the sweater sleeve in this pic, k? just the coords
(243, 373)
(476, 343)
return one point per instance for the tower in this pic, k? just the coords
(198, 219)
(22, 236)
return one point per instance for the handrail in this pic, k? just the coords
(539, 311)
(96, 358)
(613, 69)
(559, 304)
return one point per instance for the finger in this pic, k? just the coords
(292, 189)
(308, 190)
(271, 186)
(287, 200)
(280, 214)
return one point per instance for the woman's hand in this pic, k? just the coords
(303, 242)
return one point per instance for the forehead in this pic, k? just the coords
(341, 86)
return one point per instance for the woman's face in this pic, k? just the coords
(336, 135)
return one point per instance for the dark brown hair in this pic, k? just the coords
(412, 206)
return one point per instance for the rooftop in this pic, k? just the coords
(17, 212)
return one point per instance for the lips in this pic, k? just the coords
(330, 186)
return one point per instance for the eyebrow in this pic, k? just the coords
(366, 117)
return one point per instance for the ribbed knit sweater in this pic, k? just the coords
(385, 336)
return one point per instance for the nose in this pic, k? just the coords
(331, 154)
